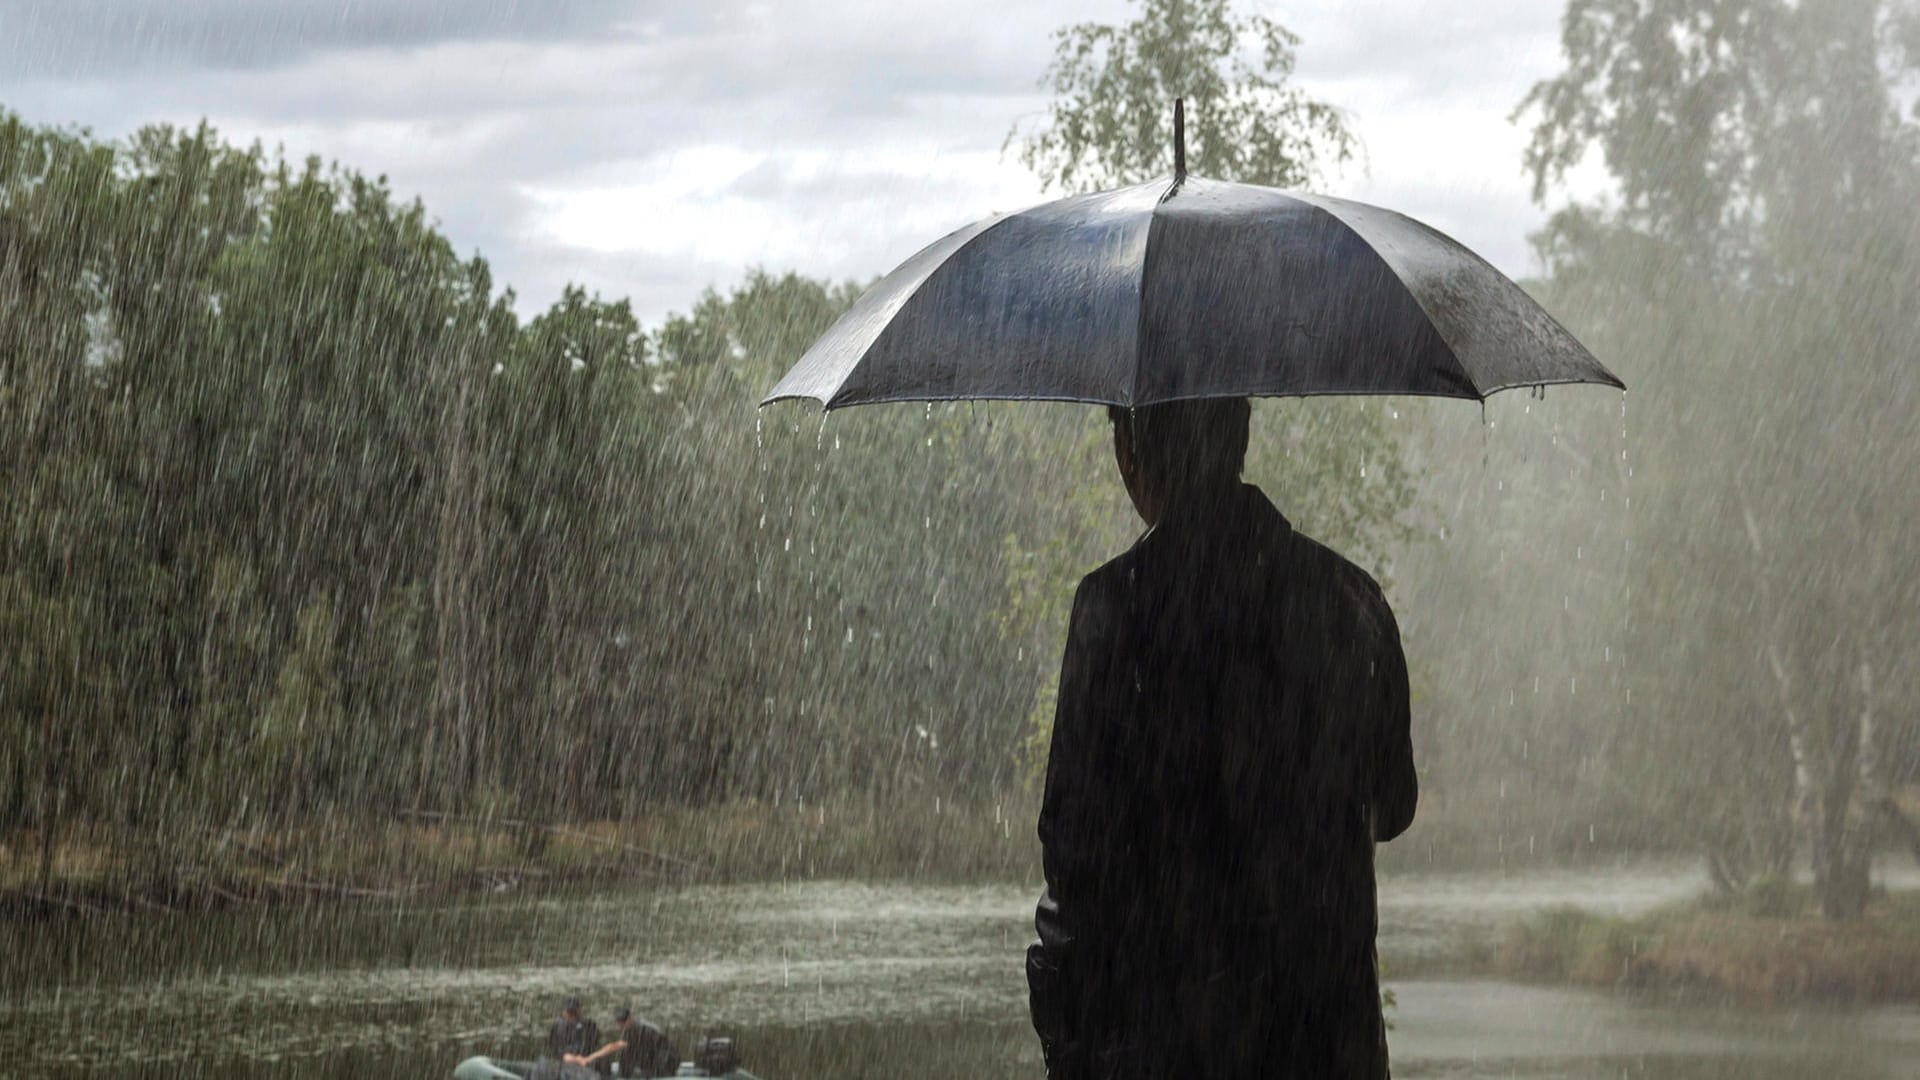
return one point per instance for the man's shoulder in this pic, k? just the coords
(1342, 591)
(1112, 575)
(1317, 563)
(1310, 562)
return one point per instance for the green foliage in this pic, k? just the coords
(845, 622)
(301, 734)
(1114, 86)
(297, 516)
(1756, 277)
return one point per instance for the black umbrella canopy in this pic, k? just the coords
(1186, 287)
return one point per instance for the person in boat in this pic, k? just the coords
(572, 1034)
(639, 1048)
(1231, 738)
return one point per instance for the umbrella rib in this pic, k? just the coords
(1465, 375)
(1140, 290)
(834, 398)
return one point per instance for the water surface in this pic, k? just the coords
(823, 979)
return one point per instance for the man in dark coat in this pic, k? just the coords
(639, 1048)
(1231, 740)
(572, 1033)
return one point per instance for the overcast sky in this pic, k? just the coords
(649, 148)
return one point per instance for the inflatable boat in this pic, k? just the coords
(714, 1057)
(486, 1068)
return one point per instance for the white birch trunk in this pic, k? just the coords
(1804, 802)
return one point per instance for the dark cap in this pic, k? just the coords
(571, 1004)
(622, 1013)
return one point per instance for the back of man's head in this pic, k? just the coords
(1186, 443)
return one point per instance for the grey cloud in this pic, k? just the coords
(655, 286)
(62, 39)
(1473, 54)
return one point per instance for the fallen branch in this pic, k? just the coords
(232, 898)
(134, 899)
(48, 902)
(556, 830)
(338, 889)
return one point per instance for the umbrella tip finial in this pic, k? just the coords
(1179, 137)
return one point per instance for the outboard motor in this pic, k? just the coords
(713, 1055)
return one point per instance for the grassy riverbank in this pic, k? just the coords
(104, 871)
(1779, 951)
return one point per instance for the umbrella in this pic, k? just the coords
(1185, 287)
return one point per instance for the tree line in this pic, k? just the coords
(301, 519)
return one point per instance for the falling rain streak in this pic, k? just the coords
(385, 655)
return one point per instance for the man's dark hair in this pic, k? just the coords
(1204, 440)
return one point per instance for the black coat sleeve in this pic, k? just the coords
(1396, 789)
(1071, 812)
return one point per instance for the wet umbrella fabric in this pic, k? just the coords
(1185, 288)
